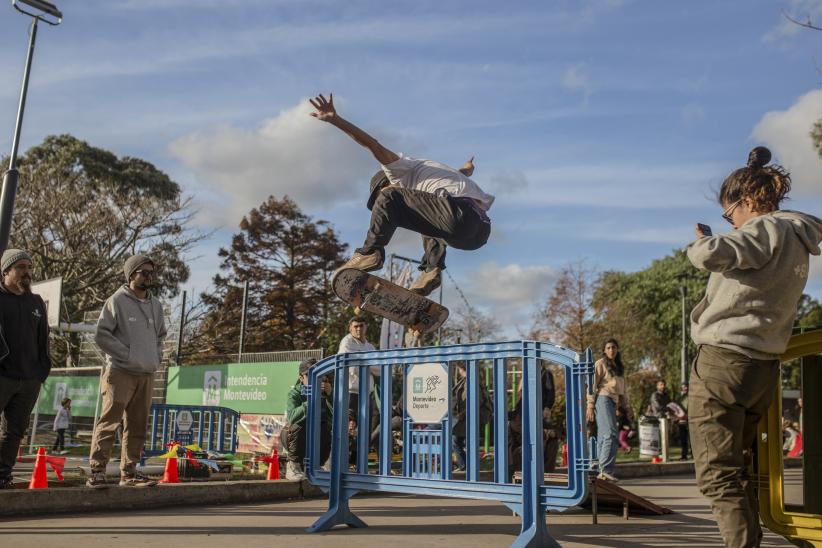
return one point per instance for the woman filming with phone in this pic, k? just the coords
(741, 327)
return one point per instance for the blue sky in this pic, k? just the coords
(602, 126)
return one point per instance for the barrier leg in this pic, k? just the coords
(338, 512)
(534, 531)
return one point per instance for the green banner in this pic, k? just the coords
(82, 390)
(243, 387)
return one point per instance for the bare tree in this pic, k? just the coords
(568, 316)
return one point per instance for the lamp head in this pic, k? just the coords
(43, 8)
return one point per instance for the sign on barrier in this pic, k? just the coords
(426, 461)
(427, 398)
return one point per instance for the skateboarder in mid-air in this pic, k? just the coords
(441, 203)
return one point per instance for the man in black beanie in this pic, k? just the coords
(24, 354)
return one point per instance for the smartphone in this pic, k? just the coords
(706, 230)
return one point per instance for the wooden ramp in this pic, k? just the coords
(608, 495)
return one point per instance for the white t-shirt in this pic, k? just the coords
(436, 178)
(350, 344)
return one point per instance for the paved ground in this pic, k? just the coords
(428, 521)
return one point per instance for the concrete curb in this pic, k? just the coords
(21, 502)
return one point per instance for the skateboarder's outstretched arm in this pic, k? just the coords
(327, 113)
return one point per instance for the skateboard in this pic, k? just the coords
(373, 294)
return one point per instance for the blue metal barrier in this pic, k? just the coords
(212, 428)
(427, 466)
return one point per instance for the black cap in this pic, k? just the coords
(305, 365)
(377, 182)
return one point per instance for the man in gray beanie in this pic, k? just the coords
(130, 331)
(24, 354)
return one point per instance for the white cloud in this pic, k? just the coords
(631, 185)
(787, 134)
(576, 79)
(290, 154)
(507, 181)
(692, 114)
(510, 293)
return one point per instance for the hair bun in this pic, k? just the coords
(759, 157)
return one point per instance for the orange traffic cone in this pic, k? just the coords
(39, 480)
(170, 474)
(274, 465)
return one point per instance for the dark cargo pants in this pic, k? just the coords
(729, 393)
(442, 221)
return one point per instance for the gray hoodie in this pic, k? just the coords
(758, 273)
(131, 332)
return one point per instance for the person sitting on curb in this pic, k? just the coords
(297, 429)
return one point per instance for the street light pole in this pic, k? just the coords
(11, 176)
(683, 291)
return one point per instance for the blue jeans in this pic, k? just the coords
(607, 432)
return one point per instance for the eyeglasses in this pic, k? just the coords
(145, 273)
(727, 213)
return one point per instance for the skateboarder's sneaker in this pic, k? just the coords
(427, 282)
(136, 480)
(608, 477)
(366, 263)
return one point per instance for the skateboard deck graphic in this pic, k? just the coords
(388, 300)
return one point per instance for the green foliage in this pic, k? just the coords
(816, 136)
(288, 260)
(809, 312)
(643, 311)
(81, 211)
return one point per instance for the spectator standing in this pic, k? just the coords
(24, 354)
(660, 399)
(130, 331)
(608, 394)
(550, 434)
(459, 412)
(356, 341)
(624, 424)
(61, 423)
(297, 415)
(741, 327)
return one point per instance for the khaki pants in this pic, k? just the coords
(729, 393)
(126, 397)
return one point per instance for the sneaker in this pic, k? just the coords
(294, 472)
(366, 263)
(136, 480)
(7, 483)
(427, 282)
(97, 480)
(608, 477)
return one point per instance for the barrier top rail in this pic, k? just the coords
(530, 499)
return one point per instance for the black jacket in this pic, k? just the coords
(25, 330)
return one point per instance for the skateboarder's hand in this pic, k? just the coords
(325, 108)
(467, 168)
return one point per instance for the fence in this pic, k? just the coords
(212, 428)
(426, 463)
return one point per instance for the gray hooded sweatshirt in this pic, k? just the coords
(131, 332)
(758, 273)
